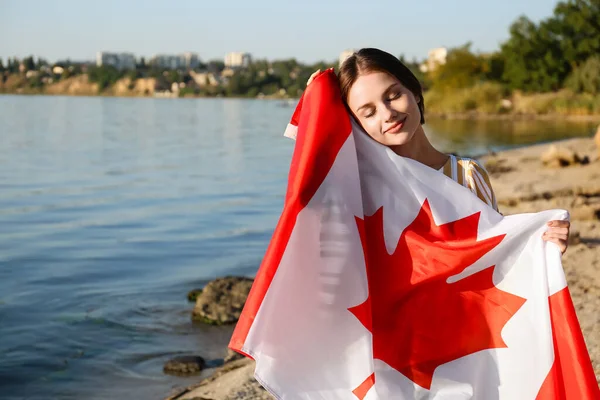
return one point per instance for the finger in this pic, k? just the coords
(563, 231)
(555, 234)
(559, 223)
(313, 76)
(552, 236)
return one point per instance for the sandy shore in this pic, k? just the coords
(522, 184)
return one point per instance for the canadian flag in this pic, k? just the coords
(385, 279)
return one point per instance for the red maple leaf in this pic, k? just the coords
(418, 320)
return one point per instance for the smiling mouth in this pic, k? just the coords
(397, 127)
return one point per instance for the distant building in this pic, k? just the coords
(120, 61)
(191, 60)
(162, 61)
(204, 78)
(344, 55)
(227, 72)
(178, 61)
(237, 60)
(436, 57)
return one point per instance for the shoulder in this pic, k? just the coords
(478, 180)
(472, 165)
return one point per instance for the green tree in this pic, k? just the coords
(586, 77)
(133, 75)
(29, 63)
(201, 66)
(1, 66)
(540, 57)
(174, 76)
(294, 90)
(270, 89)
(235, 85)
(141, 66)
(462, 69)
(414, 67)
(161, 83)
(13, 65)
(495, 67)
(155, 73)
(533, 58)
(36, 82)
(284, 69)
(105, 76)
(252, 92)
(576, 25)
(261, 65)
(188, 80)
(215, 66)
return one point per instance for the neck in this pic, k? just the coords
(420, 149)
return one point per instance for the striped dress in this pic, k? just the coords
(472, 175)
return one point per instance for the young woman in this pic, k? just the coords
(386, 99)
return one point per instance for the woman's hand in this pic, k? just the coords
(558, 233)
(313, 76)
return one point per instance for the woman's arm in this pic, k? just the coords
(479, 182)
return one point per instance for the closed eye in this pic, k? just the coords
(394, 95)
(370, 113)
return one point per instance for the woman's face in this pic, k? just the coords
(387, 110)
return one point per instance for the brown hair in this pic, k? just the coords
(371, 60)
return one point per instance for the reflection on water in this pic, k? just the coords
(476, 137)
(112, 209)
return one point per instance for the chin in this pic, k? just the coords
(396, 139)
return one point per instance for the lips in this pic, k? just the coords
(396, 128)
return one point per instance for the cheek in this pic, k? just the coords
(404, 104)
(416, 109)
(371, 126)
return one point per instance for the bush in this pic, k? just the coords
(586, 77)
(563, 102)
(104, 76)
(462, 69)
(188, 91)
(483, 97)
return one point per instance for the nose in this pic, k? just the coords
(389, 113)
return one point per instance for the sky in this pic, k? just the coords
(308, 30)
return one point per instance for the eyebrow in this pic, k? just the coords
(370, 104)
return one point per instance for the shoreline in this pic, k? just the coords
(135, 96)
(469, 116)
(523, 183)
(514, 116)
